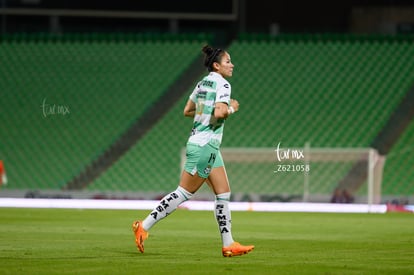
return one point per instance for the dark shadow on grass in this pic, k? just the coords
(110, 255)
(50, 258)
(136, 253)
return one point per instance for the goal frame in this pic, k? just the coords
(375, 162)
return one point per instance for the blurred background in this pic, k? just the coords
(92, 94)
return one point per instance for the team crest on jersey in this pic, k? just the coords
(207, 170)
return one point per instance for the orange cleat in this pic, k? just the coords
(140, 235)
(236, 249)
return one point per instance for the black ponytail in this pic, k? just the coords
(210, 56)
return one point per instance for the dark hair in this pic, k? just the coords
(211, 55)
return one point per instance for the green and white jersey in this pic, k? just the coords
(206, 128)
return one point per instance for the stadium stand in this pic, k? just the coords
(65, 99)
(328, 90)
(398, 172)
(331, 91)
(317, 89)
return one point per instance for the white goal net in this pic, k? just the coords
(337, 175)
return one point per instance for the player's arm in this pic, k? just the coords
(222, 110)
(190, 108)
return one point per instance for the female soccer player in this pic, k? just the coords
(210, 104)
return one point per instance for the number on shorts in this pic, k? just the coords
(212, 158)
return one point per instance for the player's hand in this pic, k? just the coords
(235, 104)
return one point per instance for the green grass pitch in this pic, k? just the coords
(63, 241)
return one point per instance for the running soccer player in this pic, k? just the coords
(210, 104)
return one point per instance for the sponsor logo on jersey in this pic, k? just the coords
(208, 83)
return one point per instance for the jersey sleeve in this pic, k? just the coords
(193, 95)
(223, 93)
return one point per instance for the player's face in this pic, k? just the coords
(225, 67)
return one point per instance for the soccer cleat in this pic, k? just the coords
(236, 249)
(140, 235)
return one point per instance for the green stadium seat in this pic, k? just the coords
(106, 81)
(330, 90)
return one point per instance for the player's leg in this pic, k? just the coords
(219, 183)
(166, 206)
(196, 170)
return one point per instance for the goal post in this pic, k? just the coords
(340, 175)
